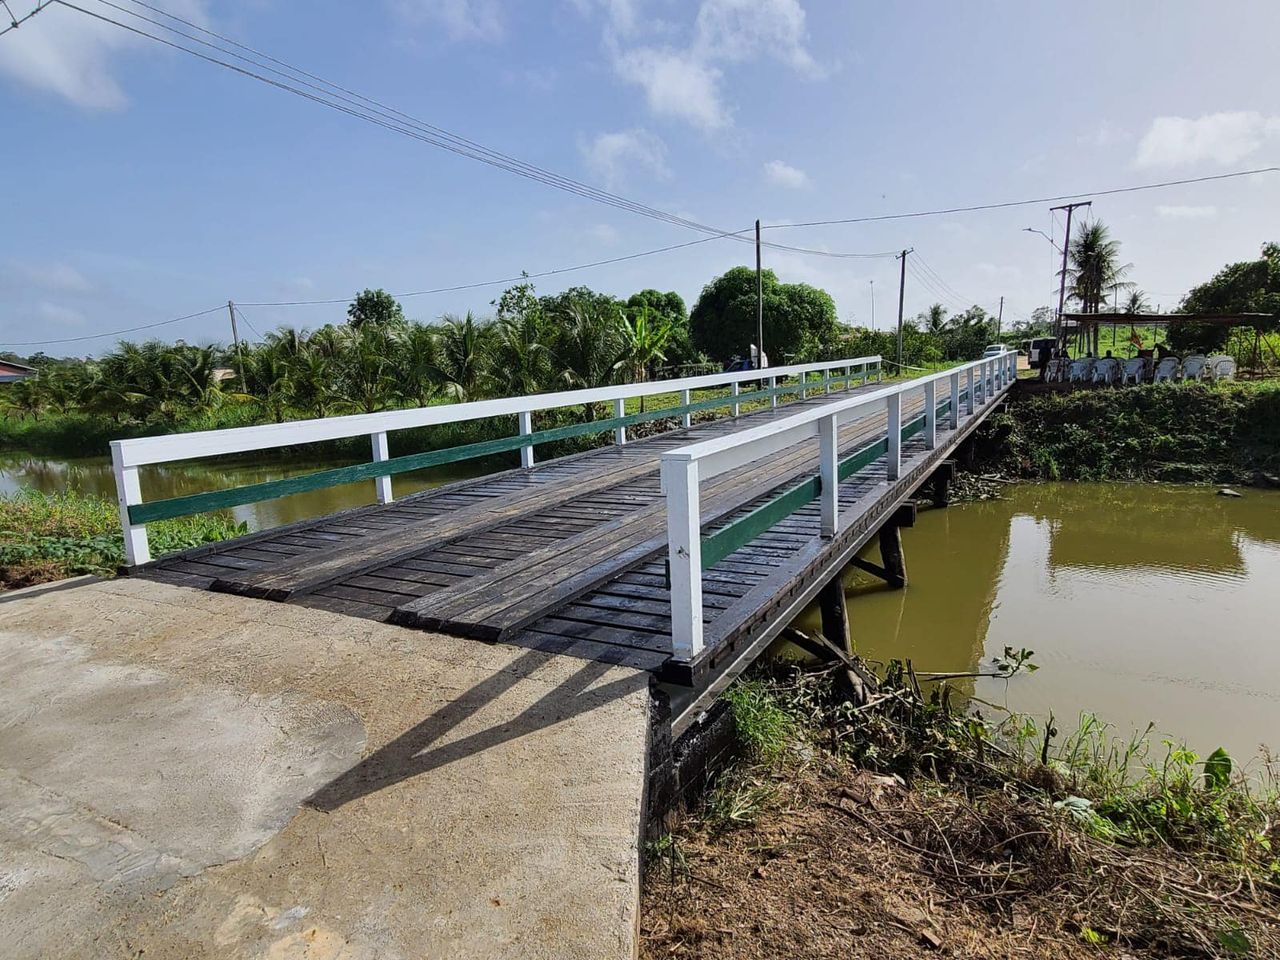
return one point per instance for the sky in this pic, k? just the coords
(141, 184)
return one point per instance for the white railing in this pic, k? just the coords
(684, 469)
(129, 455)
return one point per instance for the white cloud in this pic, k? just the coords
(1186, 213)
(1221, 138)
(71, 55)
(611, 156)
(786, 175)
(740, 30)
(461, 19)
(621, 13)
(59, 277)
(604, 234)
(684, 81)
(62, 316)
(676, 84)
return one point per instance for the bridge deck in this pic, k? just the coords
(568, 556)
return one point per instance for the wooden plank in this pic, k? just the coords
(495, 606)
(309, 573)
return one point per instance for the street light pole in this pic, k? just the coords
(1066, 246)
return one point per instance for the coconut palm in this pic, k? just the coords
(520, 354)
(935, 319)
(461, 361)
(1094, 268)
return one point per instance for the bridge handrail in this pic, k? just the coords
(684, 469)
(128, 455)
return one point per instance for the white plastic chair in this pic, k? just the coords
(1081, 370)
(1166, 370)
(1134, 371)
(1106, 370)
(1194, 367)
(1222, 367)
(1055, 370)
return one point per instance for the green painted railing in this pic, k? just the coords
(738, 533)
(141, 513)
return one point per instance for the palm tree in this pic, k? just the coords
(416, 373)
(1094, 268)
(461, 357)
(367, 364)
(1137, 302)
(520, 356)
(935, 319)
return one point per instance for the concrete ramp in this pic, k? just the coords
(188, 774)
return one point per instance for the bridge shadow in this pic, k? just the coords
(412, 753)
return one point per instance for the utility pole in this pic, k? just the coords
(759, 305)
(235, 337)
(1000, 319)
(902, 290)
(1066, 245)
(873, 303)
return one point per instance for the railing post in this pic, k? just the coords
(685, 398)
(526, 427)
(826, 379)
(955, 401)
(684, 556)
(829, 474)
(931, 414)
(804, 385)
(381, 484)
(879, 370)
(773, 397)
(969, 399)
(736, 390)
(894, 467)
(129, 492)
(620, 411)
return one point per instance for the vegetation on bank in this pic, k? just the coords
(1172, 432)
(50, 537)
(901, 827)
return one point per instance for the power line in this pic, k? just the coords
(16, 22)
(1026, 203)
(116, 333)
(494, 283)
(247, 323)
(920, 261)
(372, 111)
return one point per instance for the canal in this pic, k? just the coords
(1143, 603)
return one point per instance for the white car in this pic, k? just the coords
(994, 351)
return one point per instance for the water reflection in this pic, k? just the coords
(92, 476)
(1142, 602)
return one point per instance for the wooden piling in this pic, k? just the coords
(835, 614)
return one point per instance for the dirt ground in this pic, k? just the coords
(852, 867)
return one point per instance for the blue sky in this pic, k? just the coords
(141, 184)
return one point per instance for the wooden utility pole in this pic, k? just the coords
(235, 337)
(1000, 319)
(759, 305)
(1066, 245)
(902, 290)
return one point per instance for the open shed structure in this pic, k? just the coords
(1255, 350)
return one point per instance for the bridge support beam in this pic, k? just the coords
(835, 613)
(940, 483)
(892, 568)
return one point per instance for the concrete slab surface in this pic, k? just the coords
(186, 774)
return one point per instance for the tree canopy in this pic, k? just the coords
(376, 307)
(799, 320)
(1250, 286)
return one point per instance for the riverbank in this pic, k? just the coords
(1205, 433)
(52, 537)
(903, 828)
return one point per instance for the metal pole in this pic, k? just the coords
(1066, 246)
(235, 336)
(759, 305)
(902, 289)
(1000, 319)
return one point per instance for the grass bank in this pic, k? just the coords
(1171, 432)
(901, 828)
(45, 537)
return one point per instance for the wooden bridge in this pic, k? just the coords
(682, 554)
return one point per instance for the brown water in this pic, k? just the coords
(1143, 603)
(92, 476)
